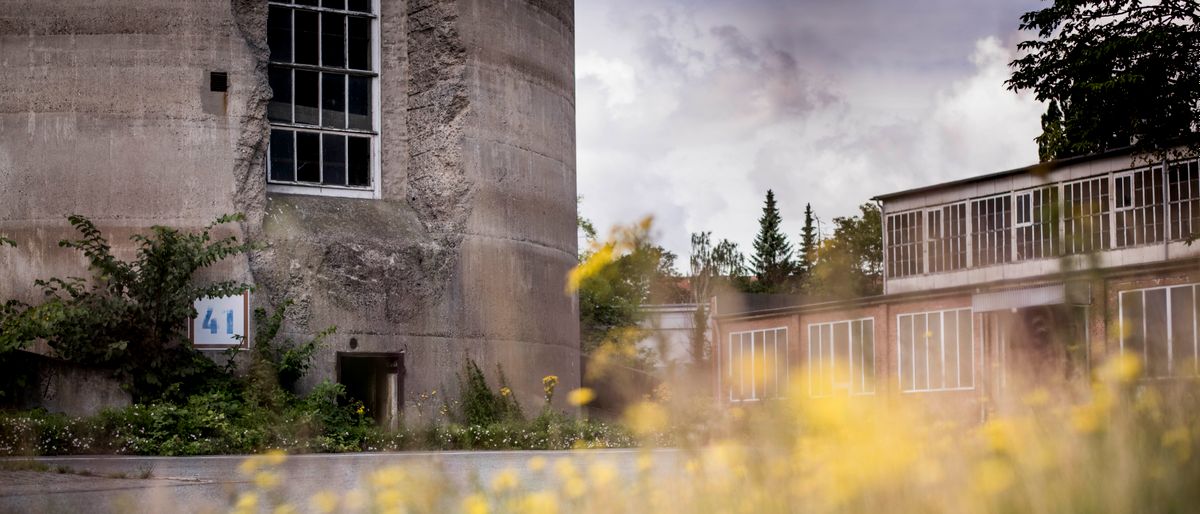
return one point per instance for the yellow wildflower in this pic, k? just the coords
(505, 480)
(646, 418)
(993, 476)
(285, 509)
(537, 463)
(1123, 368)
(602, 474)
(324, 502)
(574, 487)
(539, 503)
(475, 504)
(581, 396)
(247, 502)
(267, 480)
(505, 391)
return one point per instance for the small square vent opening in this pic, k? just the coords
(218, 81)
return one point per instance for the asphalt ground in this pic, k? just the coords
(211, 483)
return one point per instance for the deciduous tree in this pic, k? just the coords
(1113, 73)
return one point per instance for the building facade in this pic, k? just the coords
(408, 166)
(994, 285)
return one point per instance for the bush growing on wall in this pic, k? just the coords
(131, 316)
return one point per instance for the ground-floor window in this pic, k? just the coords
(758, 364)
(841, 357)
(935, 351)
(1159, 325)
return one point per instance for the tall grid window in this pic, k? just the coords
(947, 237)
(1159, 325)
(1183, 195)
(935, 351)
(904, 244)
(1085, 215)
(323, 78)
(991, 235)
(758, 364)
(1138, 212)
(1037, 223)
(841, 357)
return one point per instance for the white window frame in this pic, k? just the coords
(374, 191)
(1141, 212)
(1181, 228)
(781, 382)
(900, 372)
(866, 384)
(1068, 245)
(1195, 287)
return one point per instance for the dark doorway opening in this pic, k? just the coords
(376, 380)
(1034, 347)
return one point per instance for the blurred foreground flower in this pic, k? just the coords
(581, 396)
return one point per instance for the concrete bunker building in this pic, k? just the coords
(993, 285)
(409, 165)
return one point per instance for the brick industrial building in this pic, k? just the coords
(993, 283)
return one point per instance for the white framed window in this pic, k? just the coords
(905, 256)
(1085, 215)
(324, 113)
(1036, 223)
(1137, 207)
(991, 239)
(841, 357)
(935, 351)
(757, 364)
(1183, 196)
(1159, 325)
(947, 229)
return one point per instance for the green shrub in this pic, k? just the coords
(479, 404)
(132, 316)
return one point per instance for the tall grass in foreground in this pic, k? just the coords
(1126, 446)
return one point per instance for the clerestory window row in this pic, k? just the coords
(1111, 211)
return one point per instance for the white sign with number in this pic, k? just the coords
(220, 322)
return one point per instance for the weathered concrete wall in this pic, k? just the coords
(59, 386)
(105, 111)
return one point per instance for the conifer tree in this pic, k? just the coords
(772, 259)
(808, 246)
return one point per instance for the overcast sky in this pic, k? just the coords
(690, 110)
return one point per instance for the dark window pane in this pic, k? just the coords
(359, 161)
(280, 108)
(333, 103)
(307, 97)
(1183, 326)
(282, 156)
(360, 103)
(333, 40)
(306, 37)
(906, 353)
(1131, 324)
(307, 2)
(935, 352)
(308, 157)
(966, 350)
(279, 33)
(360, 5)
(333, 159)
(334, 4)
(1156, 333)
(360, 43)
